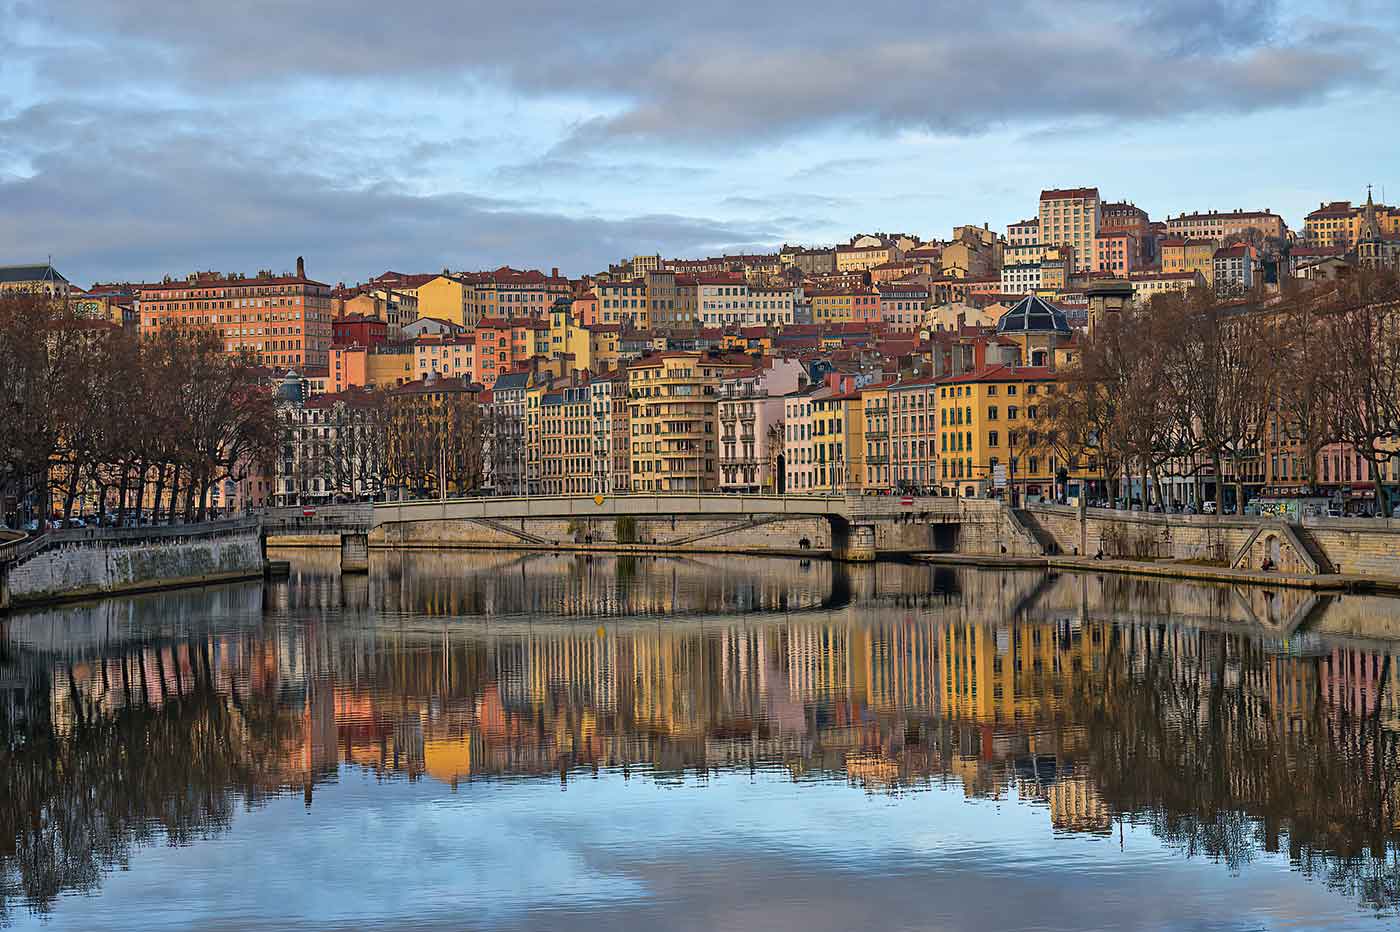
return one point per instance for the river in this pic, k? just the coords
(511, 741)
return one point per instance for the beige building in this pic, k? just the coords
(672, 400)
(1216, 225)
(1148, 284)
(861, 258)
(1071, 217)
(664, 307)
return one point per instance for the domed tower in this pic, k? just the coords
(291, 389)
(1038, 327)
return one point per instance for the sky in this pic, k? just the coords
(143, 138)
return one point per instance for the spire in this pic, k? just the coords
(1370, 229)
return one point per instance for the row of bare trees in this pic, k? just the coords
(367, 443)
(1190, 385)
(92, 413)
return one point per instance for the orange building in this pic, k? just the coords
(284, 319)
(502, 345)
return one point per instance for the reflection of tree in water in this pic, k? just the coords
(1195, 744)
(80, 798)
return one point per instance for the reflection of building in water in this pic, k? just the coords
(1076, 806)
(1357, 682)
(1011, 673)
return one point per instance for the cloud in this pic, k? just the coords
(176, 198)
(708, 75)
(137, 141)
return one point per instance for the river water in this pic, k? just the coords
(507, 741)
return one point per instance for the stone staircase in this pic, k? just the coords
(1303, 539)
(1043, 538)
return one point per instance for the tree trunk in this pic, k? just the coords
(159, 491)
(174, 494)
(1216, 464)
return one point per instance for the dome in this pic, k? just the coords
(289, 389)
(1032, 315)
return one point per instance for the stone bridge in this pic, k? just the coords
(851, 528)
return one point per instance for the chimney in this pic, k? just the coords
(301, 267)
(554, 272)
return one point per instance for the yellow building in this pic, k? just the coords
(861, 258)
(988, 418)
(666, 306)
(593, 348)
(1339, 223)
(875, 429)
(672, 402)
(845, 305)
(1189, 255)
(445, 298)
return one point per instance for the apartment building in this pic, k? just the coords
(672, 413)
(750, 418)
(1235, 269)
(566, 452)
(450, 357)
(903, 305)
(988, 418)
(861, 258)
(379, 365)
(875, 429)
(1071, 217)
(1117, 252)
(733, 302)
(1217, 225)
(1340, 223)
(1147, 284)
(913, 457)
(285, 320)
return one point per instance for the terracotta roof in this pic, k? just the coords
(221, 282)
(1059, 194)
(1004, 373)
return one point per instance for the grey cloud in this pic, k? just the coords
(176, 199)
(709, 74)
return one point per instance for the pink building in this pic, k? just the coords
(751, 425)
(1116, 252)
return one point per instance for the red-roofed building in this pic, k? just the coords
(357, 328)
(284, 319)
(990, 417)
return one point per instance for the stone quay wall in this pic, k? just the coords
(1355, 547)
(78, 564)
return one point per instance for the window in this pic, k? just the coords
(993, 439)
(1011, 413)
(992, 413)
